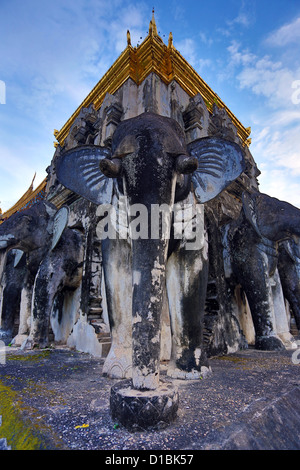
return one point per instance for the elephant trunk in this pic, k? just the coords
(148, 263)
(149, 258)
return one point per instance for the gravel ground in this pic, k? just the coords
(58, 399)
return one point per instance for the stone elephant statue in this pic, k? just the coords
(289, 272)
(54, 260)
(253, 242)
(150, 167)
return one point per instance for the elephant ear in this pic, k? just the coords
(249, 207)
(219, 163)
(59, 224)
(78, 170)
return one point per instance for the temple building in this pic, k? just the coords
(151, 77)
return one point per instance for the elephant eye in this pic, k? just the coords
(175, 154)
(119, 154)
(126, 146)
(26, 219)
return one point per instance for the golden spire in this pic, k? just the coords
(152, 26)
(170, 42)
(128, 38)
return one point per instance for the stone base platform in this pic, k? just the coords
(139, 410)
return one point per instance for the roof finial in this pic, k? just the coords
(31, 186)
(128, 38)
(152, 26)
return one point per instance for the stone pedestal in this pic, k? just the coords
(139, 410)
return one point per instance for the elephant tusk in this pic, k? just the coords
(5, 241)
(186, 164)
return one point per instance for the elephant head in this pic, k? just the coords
(36, 228)
(26, 230)
(151, 164)
(271, 218)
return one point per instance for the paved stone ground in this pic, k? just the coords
(58, 399)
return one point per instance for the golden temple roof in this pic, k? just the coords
(152, 55)
(29, 197)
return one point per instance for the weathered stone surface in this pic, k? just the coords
(265, 425)
(140, 410)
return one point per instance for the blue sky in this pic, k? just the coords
(53, 52)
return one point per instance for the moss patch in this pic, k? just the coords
(33, 357)
(18, 433)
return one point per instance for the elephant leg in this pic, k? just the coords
(293, 298)
(295, 307)
(290, 279)
(118, 287)
(10, 309)
(25, 309)
(47, 283)
(255, 280)
(281, 319)
(187, 272)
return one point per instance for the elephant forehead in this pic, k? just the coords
(152, 128)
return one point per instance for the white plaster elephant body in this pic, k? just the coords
(151, 167)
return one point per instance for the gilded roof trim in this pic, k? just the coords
(25, 201)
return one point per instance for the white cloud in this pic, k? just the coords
(245, 14)
(264, 76)
(52, 54)
(208, 41)
(276, 122)
(281, 184)
(286, 34)
(187, 48)
(72, 50)
(132, 18)
(269, 79)
(238, 57)
(204, 64)
(18, 170)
